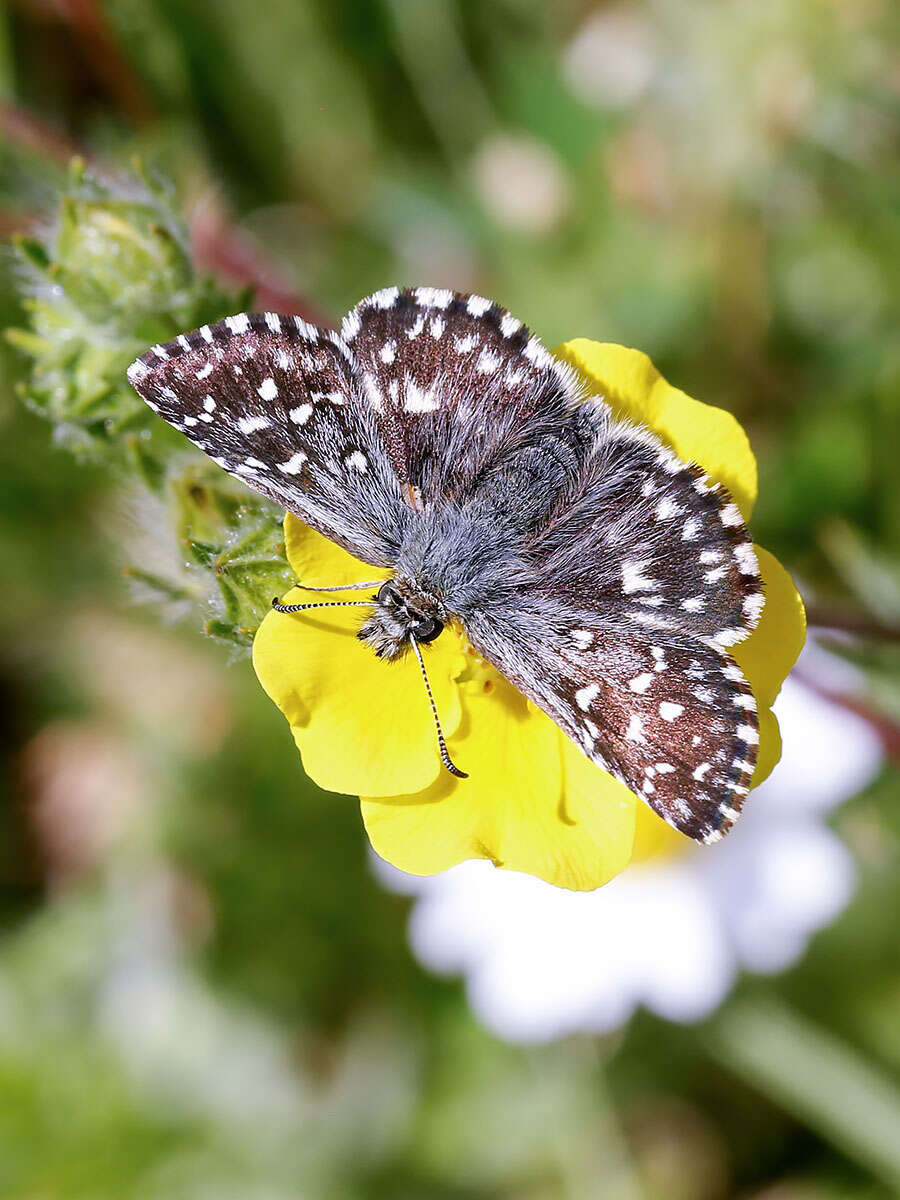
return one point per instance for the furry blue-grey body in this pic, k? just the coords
(435, 436)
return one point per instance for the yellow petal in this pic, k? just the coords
(361, 724)
(532, 802)
(770, 651)
(317, 561)
(698, 432)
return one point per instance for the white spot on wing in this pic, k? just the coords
(386, 298)
(585, 696)
(694, 604)
(373, 392)
(690, 529)
(729, 637)
(641, 682)
(536, 353)
(669, 711)
(746, 559)
(633, 579)
(268, 389)
(433, 297)
(666, 509)
(293, 464)
(350, 326)
(252, 424)
(478, 306)
(418, 400)
(239, 323)
(753, 607)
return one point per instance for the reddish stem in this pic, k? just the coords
(101, 48)
(232, 254)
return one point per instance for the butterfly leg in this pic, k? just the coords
(341, 587)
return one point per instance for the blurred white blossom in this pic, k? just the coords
(521, 182)
(610, 61)
(669, 934)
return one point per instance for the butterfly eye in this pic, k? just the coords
(427, 629)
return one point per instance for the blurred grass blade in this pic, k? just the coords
(815, 1077)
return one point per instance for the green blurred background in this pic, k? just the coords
(204, 992)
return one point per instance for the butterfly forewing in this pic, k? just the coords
(454, 379)
(651, 539)
(272, 400)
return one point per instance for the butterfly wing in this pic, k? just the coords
(617, 630)
(650, 538)
(274, 402)
(673, 719)
(454, 380)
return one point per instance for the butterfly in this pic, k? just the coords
(435, 436)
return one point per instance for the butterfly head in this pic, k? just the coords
(400, 614)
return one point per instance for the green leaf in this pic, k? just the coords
(820, 1080)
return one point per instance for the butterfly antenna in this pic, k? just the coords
(292, 608)
(442, 745)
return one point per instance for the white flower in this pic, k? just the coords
(670, 934)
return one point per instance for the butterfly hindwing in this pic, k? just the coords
(272, 400)
(672, 718)
(681, 732)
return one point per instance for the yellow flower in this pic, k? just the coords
(532, 801)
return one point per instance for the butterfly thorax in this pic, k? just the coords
(401, 612)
